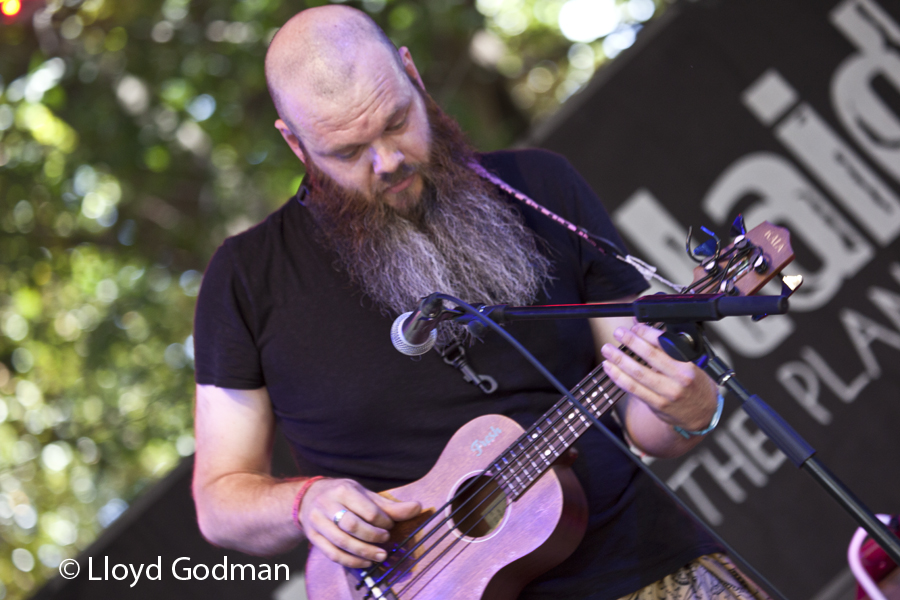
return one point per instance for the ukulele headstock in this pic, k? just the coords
(748, 263)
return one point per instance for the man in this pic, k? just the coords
(293, 320)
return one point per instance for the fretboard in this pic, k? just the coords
(539, 447)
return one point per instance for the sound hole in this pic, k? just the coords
(479, 508)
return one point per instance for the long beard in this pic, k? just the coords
(461, 238)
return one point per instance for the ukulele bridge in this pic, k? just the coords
(368, 583)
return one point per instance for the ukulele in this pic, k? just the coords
(501, 505)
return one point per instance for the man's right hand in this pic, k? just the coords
(352, 541)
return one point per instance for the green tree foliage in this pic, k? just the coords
(134, 137)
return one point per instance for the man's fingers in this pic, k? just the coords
(629, 384)
(399, 511)
(642, 340)
(346, 550)
(365, 506)
(345, 493)
(364, 521)
(678, 392)
(353, 525)
(662, 372)
(633, 377)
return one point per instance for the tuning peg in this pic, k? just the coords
(707, 248)
(760, 262)
(738, 227)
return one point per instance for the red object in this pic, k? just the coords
(19, 11)
(295, 510)
(875, 560)
(11, 7)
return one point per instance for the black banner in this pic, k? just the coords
(787, 112)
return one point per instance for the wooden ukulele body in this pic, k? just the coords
(537, 531)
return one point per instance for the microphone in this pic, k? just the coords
(414, 333)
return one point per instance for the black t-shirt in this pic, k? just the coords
(274, 311)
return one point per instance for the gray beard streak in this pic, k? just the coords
(474, 247)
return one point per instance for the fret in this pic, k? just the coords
(526, 463)
(556, 431)
(518, 463)
(519, 480)
(567, 417)
(499, 470)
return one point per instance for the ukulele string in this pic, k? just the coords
(531, 453)
(718, 274)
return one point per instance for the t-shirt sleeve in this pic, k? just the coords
(605, 277)
(225, 354)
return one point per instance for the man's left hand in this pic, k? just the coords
(678, 393)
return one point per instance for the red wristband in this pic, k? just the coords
(295, 511)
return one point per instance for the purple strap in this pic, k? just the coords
(648, 271)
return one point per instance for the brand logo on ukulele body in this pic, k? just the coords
(479, 445)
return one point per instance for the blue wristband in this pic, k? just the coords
(712, 424)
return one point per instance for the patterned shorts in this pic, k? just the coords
(710, 577)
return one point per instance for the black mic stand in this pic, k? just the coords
(685, 340)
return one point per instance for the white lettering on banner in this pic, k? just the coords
(723, 472)
(769, 97)
(863, 331)
(809, 138)
(862, 112)
(780, 192)
(658, 235)
(801, 379)
(847, 392)
(888, 302)
(862, 193)
(660, 238)
(787, 197)
(801, 382)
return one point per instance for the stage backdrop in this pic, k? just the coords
(787, 112)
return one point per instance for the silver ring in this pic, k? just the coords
(338, 516)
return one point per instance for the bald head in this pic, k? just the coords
(317, 54)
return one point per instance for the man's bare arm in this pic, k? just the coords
(241, 506)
